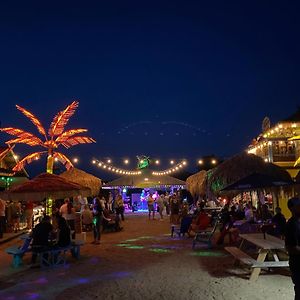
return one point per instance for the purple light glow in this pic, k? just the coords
(41, 280)
(82, 280)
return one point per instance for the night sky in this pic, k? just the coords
(170, 79)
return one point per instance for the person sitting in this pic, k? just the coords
(200, 222)
(280, 222)
(63, 233)
(40, 237)
(111, 221)
(87, 218)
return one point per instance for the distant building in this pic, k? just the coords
(9, 178)
(273, 144)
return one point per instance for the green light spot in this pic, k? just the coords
(135, 247)
(123, 245)
(145, 237)
(131, 240)
(159, 250)
(207, 254)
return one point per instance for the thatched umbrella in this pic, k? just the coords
(46, 186)
(240, 166)
(84, 179)
(196, 184)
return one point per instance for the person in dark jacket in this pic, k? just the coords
(292, 243)
(40, 237)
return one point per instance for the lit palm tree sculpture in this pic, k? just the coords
(56, 137)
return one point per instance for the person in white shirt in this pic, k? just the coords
(67, 211)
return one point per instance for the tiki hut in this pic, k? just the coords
(240, 166)
(45, 186)
(84, 179)
(196, 184)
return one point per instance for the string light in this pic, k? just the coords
(172, 162)
(115, 169)
(157, 162)
(171, 170)
(75, 160)
(126, 161)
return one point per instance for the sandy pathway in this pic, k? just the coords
(142, 262)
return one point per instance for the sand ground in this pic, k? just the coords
(141, 262)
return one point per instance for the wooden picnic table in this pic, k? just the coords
(266, 244)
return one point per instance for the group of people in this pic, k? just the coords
(13, 214)
(172, 204)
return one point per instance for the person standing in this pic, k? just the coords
(2, 217)
(110, 202)
(97, 220)
(150, 202)
(292, 243)
(29, 213)
(16, 215)
(175, 207)
(67, 211)
(167, 203)
(160, 204)
(119, 206)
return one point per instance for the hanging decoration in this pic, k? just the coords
(143, 163)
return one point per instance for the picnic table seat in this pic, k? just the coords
(247, 260)
(18, 252)
(56, 256)
(241, 256)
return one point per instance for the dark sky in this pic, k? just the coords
(170, 79)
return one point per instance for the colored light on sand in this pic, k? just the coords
(135, 247)
(159, 250)
(207, 254)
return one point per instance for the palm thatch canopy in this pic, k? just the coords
(84, 179)
(45, 186)
(240, 166)
(144, 180)
(196, 184)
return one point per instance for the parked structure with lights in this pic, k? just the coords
(280, 143)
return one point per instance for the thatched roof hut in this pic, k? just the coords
(45, 186)
(84, 179)
(240, 166)
(196, 184)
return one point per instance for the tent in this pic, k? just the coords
(145, 180)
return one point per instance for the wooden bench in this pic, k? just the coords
(247, 260)
(241, 256)
(57, 256)
(18, 252)
(271, 264)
